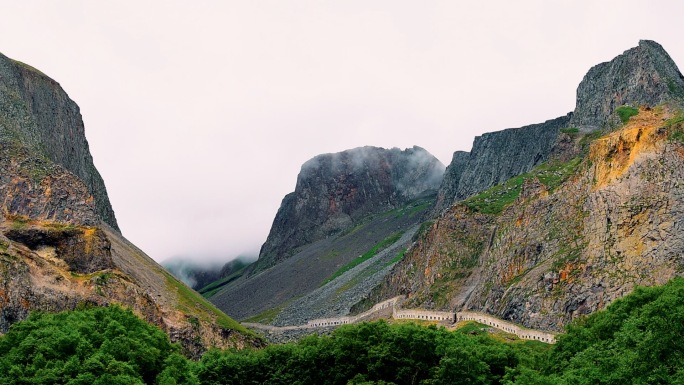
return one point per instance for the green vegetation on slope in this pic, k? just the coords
(495, 199)
(570, 130)
(211, 289)
(626, 112)
(397, 258)
(366, 256)
(189, 299)
(636, 340)
(675, 125)
(90, 346)
(372, 353)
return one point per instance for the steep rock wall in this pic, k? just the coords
(501, 155)
(36, 112)
(449, 186)
(642, 76)
(57, 248)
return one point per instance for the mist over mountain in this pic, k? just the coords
(334, 191)
(198, 273)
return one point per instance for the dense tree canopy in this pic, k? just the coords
(638, 339)
(89, 346)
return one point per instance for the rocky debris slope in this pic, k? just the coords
(336, 298)
(268, 292)
(560, 250)
(57, 250)
(52, 266)
(335, 191)
(36, 113)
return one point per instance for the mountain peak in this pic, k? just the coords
(641, 76)
(334, 191)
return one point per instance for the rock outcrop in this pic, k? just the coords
(449, 186)
(499, 156)
(643, 76)
(334, 191)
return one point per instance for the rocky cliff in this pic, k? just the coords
(566, 237)
(499, 156)
(449, 186)
(35, 112)
(644, 76)
(334, 191)
(59, 248)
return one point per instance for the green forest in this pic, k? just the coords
(636, 340)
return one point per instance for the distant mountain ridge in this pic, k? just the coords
(344, 204)
(642, 76)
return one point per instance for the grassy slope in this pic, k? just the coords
(315, 264)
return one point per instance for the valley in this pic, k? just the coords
(556, 248)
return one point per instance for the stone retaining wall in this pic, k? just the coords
(419, 314)
(426, 315)
(521, 332)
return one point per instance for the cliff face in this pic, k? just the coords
(642, 76)
(334, 191)
(449, 186)
(560, 251)
(499, 156)
(36, 113)
(58, 246)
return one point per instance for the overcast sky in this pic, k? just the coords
(199, 114)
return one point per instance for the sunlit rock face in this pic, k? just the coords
(559, 250)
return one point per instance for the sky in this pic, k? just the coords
(199, 114)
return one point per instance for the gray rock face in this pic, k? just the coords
(334, 191)
(35, 112)
(499, 156)
(452, 175)
(642, 76)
